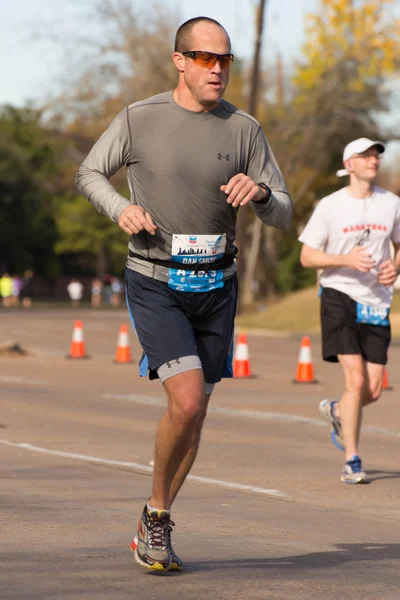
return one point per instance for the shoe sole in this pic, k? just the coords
(335, 441)
(362, 480)
(174, 566)
(334, 438)
(155, 567)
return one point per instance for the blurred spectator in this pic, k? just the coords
(25, 292)
(75, 291)
(107, 288)
(16, 288)
(116, 290)
(6, 288)
(97, 288)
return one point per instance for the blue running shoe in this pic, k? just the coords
(326, 408)
(353, 471)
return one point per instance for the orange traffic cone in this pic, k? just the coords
(123, 354)
(241, 363)
(305, 369)
(77, 344)
(385, 386)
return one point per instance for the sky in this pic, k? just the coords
(30, 67)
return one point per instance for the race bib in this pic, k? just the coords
(372, 315)
(196, 250)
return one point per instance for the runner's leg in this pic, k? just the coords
(190, 456)
(374, 383)
(350, 407)
(186, 400)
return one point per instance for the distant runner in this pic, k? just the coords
(349, 236)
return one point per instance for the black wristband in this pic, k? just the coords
(268, 191)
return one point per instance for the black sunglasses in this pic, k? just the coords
(209, 59)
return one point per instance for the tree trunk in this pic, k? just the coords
(243, 215)
(271, 262)
(101, 263)
(251, 279)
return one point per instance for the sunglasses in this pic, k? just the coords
(208, 60)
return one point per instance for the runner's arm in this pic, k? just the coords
(277, 210)
(356, 259)
(106, 157)
(313, 258)
(389, 270)
(396, 260)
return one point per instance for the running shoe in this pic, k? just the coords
(327, 410)
(176, 562)
(151, 547)
(353, 472)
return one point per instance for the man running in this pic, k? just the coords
(192, 159)
(349, 236)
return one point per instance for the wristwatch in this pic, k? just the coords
(268, 193)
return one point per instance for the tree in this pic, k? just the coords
(247, 257)
(129, 61)
(28, 176)
(339, 88)
(352, 49)
(84, 231)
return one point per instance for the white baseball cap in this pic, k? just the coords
(358, 147)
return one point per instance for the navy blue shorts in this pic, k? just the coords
(171, 324)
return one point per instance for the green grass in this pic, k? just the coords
(299, 312)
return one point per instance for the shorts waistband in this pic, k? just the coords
(223, 263)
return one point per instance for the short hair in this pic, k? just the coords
(182, 38)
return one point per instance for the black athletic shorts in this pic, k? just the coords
(172, 324)
(341, 334)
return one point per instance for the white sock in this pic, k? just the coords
(151, 508)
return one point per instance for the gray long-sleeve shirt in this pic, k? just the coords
(176, 161)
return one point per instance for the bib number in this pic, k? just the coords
(196, 250)
(372, 315)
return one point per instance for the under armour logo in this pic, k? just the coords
(178, 362)
(221, 156)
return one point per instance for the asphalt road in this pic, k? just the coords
(264, 515)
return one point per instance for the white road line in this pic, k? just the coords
(144, 469)
(249, 414)
(231, 412)
(15, 379)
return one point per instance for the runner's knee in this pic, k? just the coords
(186, 411)
(374, 393)
(355, 383)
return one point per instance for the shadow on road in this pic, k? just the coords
(345, 554)
(376, 475)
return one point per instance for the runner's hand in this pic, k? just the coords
(387, 273)
(134, 219)
(240, 189)
(359, 260)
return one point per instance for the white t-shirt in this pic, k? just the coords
(339, 223)
(75, 290)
